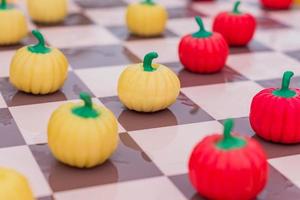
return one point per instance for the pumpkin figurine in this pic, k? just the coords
(13, 24)
(277, 4)
(274, 113)
(47, 11)
(228, 167)
(146, 19)
(14, 185)
(147, 87)
(236, 27)
(38, 69)
(203, 51)
(82, 135)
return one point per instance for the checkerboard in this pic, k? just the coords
(151, 160)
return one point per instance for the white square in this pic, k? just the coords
(265, 65)
(107, 16)
(102, 81)
(166, 3)
(184, 26)
(289, 167)
(226, 100)
(290, 18)
(279, 39)
(160, 188)
(167, 49)
(76, 36)
(170, 147)
(2, 102)
(6, 57)
(21, 159)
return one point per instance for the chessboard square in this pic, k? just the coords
(182, 12)
(46, 198)
(280, 39)
(183, 111)
(10, 134)
(21, 159)
(288, 166)
(184, 26)
(72, 19)
(160, 188)
(103, 81)
(264, 22)
(73, 7)
(253, 47)
(107, 16)
(166, 49)
(2, 102)
(263, 65)
(188, 79)
(6, 57)
(165, 3)
(294, 54)
(100, 4)
(30, 39)
(170, 147)
(129, 162)
(222, 101)
(97, 56)
(291, 18)
(276, 83)
(76, 36)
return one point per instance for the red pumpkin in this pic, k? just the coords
(274, 113)
(203, 51)
(276, 4)
(228, 167)
(237, 28)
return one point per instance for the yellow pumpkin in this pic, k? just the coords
(297, 2)
(38, 69)
(146, 18)
(82, 135)
(47, 11)
(147, 87)
(13, 27)
(14, 186)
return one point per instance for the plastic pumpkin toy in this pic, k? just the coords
(47, 11)
(203, 51)
(146, 19)
(236, 27)
(148, 87)
(14, 185)
(82, 135)
(274, 113)
(38, 69)
(13, 24)
(277, 4)
(228, 167)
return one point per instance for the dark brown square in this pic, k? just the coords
(188, 79)
(9, 134)
(182, 12)
(73, 19)
(129, 162)
(71, 89)
(30, 39)
(294, 54)
(100, 3)
(265, 22)
(253, 46)
(99, 56)
(122, 33)
(183, 111)
(276, 83)
(46, 198)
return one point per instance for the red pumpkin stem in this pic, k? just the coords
(202, 33)
(285, 91)
(236, 7)
(229, 141)
(147, 63)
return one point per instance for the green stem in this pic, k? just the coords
(285, 91)
(229, 141)
(202, 33)
(147, 63)
(148, 2)
(236, 7)
(87, 110)
(3, 4)
(40, 47)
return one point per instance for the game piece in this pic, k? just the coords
(38, 69)
(146, 18)
(82, 135)
(236, 27)
(148, 87)
(276, 4)
(228, 167)
(203, 51)
(47, 11)
(14, 186)
(274, 113)
(13, 27)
